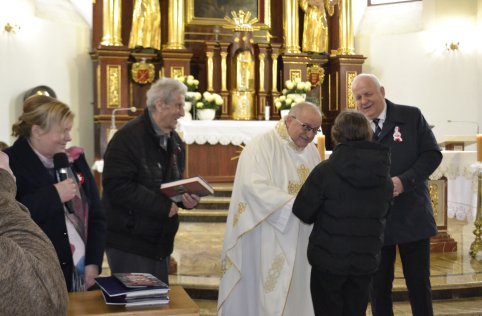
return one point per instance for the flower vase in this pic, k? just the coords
(187, 111)
(206, 114)
(284, 113)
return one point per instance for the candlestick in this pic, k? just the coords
(479, 147)
(321, 146)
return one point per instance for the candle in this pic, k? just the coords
(321, 146)
(479, 147)
(266, 112)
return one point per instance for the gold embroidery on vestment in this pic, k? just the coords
(226, 264)
(303, 173)
(274, 273)
(239, 211)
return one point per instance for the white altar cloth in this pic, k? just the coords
(457, 167)
(222, 132)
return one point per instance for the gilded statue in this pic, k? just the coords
(315, 26)
(146, 25)
(244, 65)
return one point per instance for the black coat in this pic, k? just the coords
(347, 197)
(414, 158)
(135, 166)
(35, 189)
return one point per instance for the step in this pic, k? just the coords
(203, 215)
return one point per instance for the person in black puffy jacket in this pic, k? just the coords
(347, 198)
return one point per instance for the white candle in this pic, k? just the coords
(321, 146)
(479, 147)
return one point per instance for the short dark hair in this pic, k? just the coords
(351, 126)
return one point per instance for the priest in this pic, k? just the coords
(264, 262)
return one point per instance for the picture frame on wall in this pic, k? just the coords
(212, 12)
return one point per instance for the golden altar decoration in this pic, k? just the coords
(242, 64)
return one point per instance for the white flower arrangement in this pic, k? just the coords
(293, 93)
(296, 87)
(209, 101)
(193, 96)
(190, 82)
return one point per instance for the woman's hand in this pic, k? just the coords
(4, 163)
(91, 272)
(66, 189)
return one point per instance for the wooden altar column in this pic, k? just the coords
(176, 63)
(264, 80)
(294, 66)
(224, 52)
(342, 70)
(111, 89)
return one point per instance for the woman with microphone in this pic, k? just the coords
(60, 193)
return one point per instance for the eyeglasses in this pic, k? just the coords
(306, 127)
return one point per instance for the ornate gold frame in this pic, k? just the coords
(264, 21)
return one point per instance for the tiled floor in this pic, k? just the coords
(198, 247)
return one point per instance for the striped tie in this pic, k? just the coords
(378, 129)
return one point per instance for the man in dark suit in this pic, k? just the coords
(410, 223)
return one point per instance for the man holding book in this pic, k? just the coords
(145, 153)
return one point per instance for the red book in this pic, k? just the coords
(195, 185)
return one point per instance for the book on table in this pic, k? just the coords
(142, 290)
(194, 185)
(139, 280)
(159, 300)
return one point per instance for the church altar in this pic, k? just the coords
(222, 132)
(212, 147)
(458, 168)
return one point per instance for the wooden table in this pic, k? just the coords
(92, 303)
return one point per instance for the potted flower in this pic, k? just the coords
(190, 82)
(284, 103)
(207, 106)
(296, 87)
(192, 96)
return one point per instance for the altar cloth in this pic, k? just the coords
(222, 132)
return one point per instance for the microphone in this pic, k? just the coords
(113, 128)
(61, 165)
(470, 122)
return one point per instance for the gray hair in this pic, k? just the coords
(164, 89)
(299, 107)
(370, 77)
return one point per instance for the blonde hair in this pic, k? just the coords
(43, 111)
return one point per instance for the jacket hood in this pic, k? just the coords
(363, 164)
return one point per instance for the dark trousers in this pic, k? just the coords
(339, 295)
(121, 261)
(415, 258)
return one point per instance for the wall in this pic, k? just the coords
(51, 48)
(405, 46)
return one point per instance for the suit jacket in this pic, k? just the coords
(35, 189)
(413, 158)
(30, 283)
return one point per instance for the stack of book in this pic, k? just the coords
(133, 289)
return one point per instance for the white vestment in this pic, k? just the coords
(265, 266)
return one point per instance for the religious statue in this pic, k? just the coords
(245, 71)
(146, 25)
(315, 27)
